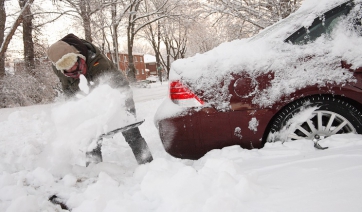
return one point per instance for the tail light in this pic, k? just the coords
(183, 96)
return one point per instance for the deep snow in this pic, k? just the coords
(39, 160)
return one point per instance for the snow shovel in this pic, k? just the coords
(110, 134)
(95, 156)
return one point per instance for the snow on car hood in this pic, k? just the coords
(268, 52)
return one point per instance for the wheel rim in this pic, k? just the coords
(322, 124)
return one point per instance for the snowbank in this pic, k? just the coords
(292, 176)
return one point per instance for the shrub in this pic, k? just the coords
(24, 87)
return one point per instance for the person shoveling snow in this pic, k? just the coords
(81, 66)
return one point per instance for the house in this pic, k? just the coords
(150, 62)
(138, 61)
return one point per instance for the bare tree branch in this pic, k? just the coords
(17, 22)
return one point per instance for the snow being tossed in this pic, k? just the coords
(80, 121)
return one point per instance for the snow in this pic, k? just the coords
(253, 124)
(149, 58)
(42, 149)
(306, 113)
(237, 132)
(293, 66)
(83, 84)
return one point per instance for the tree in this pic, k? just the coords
(153, 35)
(27, 19)
(6, 38)
(82, 10)
(85, 12)
(172, 32)
(174, 36)
(117, 17)
(252, 15)
(178, 40)
(114, 32)
(203, 36)
(2, 33)
(141, 14)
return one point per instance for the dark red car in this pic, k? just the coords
(298, 79)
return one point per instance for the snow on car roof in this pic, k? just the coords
(270, 53)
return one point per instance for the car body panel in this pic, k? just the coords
(219, 131)
(219, 127)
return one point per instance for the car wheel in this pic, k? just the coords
(323, 116)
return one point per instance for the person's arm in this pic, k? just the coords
(103, 68)
(106, 70)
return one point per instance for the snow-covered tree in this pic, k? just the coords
(82, 10)
(141, 14)
(172, 33)
(7, 36)
(249, 16)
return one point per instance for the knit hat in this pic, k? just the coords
(65, 52)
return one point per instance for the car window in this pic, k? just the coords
(321, 25)
(356, 19)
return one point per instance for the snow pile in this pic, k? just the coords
(293, 176)
(292, 66)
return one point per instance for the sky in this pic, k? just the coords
(42, 151)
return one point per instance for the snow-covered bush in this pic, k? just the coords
(24, 87)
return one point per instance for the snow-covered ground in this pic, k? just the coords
(41, 156)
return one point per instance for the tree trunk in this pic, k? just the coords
(2, 34)
(13, 28)
(155, 39)
(84, 13)
(115, 35)
(27, 18)
(158, 61)
(131, 72)
(168, 53)
(168, 64)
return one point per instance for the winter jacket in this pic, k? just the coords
(99, 67)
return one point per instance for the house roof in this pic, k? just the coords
(149, 58)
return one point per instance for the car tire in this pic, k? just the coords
(332, 115)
